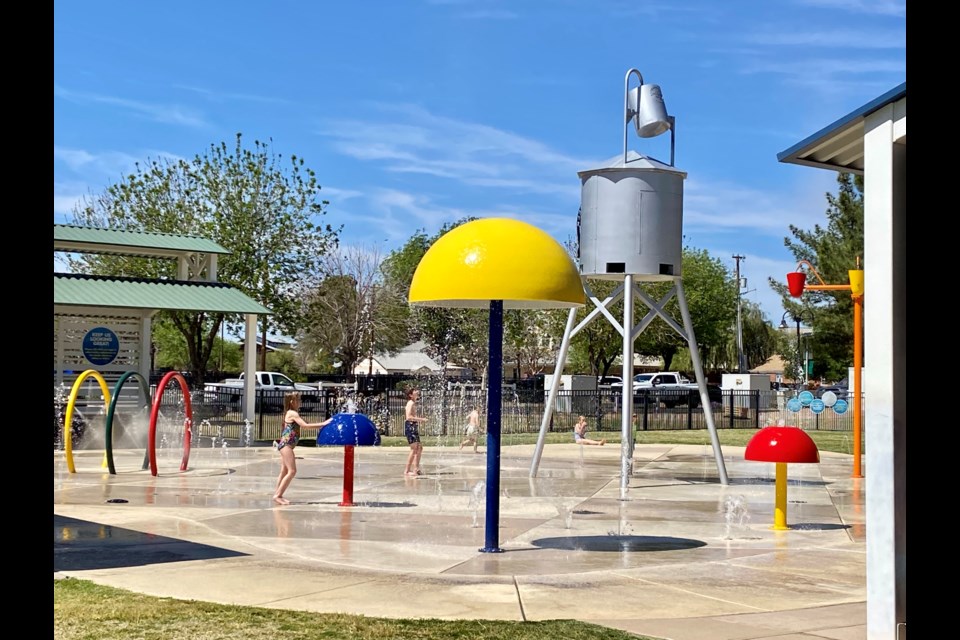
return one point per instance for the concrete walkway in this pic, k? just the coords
(682, 557)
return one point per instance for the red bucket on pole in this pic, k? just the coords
(795, 282)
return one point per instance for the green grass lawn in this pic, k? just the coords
(83, 610)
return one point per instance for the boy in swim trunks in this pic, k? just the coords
(473, 421)
(411, 429)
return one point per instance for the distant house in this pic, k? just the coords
(646, 364)
(274, 343)
(412, 360)
(774, 367)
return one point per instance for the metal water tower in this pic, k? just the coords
(630, 229)
(631, 220)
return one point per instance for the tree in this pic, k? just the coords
(530, 339)
(833, 251)
(599, 345)
(349, 313)
(246, 200)
(446, 332)
(760, 341)
(759, 338)
(284, 361)
(171, 351)
(711, 298)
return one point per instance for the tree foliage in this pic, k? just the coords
(598, 345)
(451, 335)
(710, 291)
(759, 337)
(833, 250)
(263, 210)
(531, 338)
(349, 313)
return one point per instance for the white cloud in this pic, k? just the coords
(168, 114)
(112, 163)
(488, 14)
(333, 194)
(91, 172)
(64, 204)
(227, 96)
(713, 207)
(410, 139)
(391, 216)
(832, 38)
(826, 69)
(893, 8)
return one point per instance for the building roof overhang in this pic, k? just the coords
(839, 146)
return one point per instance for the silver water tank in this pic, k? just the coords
(631, 220)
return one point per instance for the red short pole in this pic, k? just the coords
(347, 476)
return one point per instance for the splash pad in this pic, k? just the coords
(110, 403)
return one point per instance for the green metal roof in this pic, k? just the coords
(134, 243)
(137, 293)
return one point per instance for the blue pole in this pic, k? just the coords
(494, 390)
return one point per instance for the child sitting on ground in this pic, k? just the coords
(580, 433)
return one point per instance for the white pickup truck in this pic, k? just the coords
(274, 384)
(669, 387)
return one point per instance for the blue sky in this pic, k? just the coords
(415, 113)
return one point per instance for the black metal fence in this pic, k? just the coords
(218, 414)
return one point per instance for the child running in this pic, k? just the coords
(473, 422)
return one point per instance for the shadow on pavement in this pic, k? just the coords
(618, 543)
(80, 545)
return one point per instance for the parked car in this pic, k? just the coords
(714, 392)
(840, 391)
(683, 396)
(270, 387)
(609, 381)
(532, 383)
(670, 389)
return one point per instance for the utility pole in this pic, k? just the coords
(741, 360)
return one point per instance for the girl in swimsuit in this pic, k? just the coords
(292, 423)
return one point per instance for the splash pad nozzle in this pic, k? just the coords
(781, 445)
(349, 430)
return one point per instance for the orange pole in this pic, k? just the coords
(856, 292)
(857, 367)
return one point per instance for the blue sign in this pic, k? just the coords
(793, 404)
(805, 398)
(817, 406)
(840, 406)
(100, 346)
